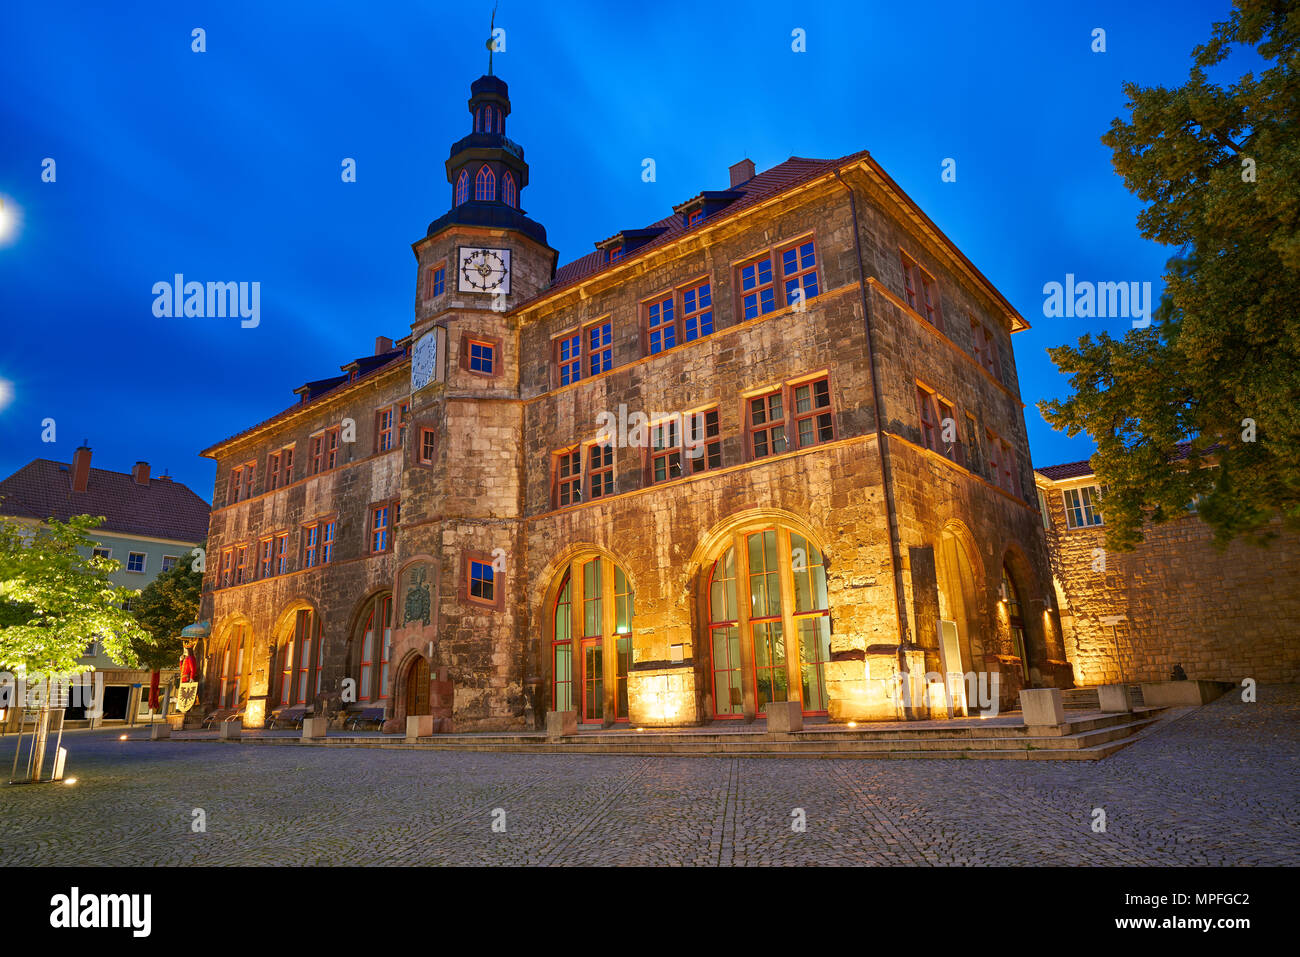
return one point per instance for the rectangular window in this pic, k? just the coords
(568, 477)
(929, 418)
(665, 452)
(615, 253)
(383, 430)
(568, 358)
(813, 422)
(600, 348)
(704, 443)
(169, 562)
(266, 558)
(279, 468)
(427, 440)
(799, 273)
(921, 292)
(974, 451)
(482, 357)
(600, 470)
(227, 566)
(1002, 465)
(697, 311)
(403, 420)
(273, 471)
(315, 453)
(100, 552)
(380, 537)
(1083, 506)
(332, 448)
(758, 295)
(986, 349)
(282, 553)
(241, 481)
(135, 562)
(661, 330)
(482, 582)
(767, 425)
(311, 546)
(1042, 510)
(327, 541)
(695, 217)
(437, 281)
(241, 564)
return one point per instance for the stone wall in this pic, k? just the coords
(1175, 600)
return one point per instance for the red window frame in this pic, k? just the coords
(703, 431)
(799, 269)
(665, 452)
(327, 532)
(509, 192)
(266, 557)
(696, 310)
(384, 430)
(765, 415)
(428, 445)
(757, 292)
(481, 358)
(436, 282)
(925, 399)
(660, 324)
(986, 349)
(241, 564)
(598, 347)
(485, 184)
(282, 553)
(566, 467)
(719, 622)
(380, 528)
(569, 357)
(482, 583)
(311, 545)
(818, 416)
(695, 217)
(600, 470)
(462, 187)
(227, 566)
(921, 291)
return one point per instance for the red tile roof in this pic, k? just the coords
(1071, 470)
(164, 509)
(778, 179)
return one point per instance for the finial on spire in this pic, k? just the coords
(491, 43)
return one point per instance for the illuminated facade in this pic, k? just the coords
(770, 447)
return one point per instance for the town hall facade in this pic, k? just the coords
(768, 448)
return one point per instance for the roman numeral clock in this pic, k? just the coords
(484, 270)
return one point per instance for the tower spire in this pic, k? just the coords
(492, 29)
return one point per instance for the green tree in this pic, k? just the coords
(55, 598)
(1219, 169)
(165, 606)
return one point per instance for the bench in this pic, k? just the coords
(288, 718)
(219, 716)
(356, 720)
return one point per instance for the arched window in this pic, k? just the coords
(509, 192)
(779, 636)
(462, 187)
(232, 667)
(298, 685)
(1011, 597)
(485, 184)
(478, 120)
(593, 609)
(376, 649)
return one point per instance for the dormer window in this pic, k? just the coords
(485, 184)
(694, 217)
(615, 253)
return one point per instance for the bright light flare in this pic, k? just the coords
(6, 393)
(10, 220)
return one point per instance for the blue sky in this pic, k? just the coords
(225, 165)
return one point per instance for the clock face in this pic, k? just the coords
(484, 270)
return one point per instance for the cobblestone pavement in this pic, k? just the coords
(1220, 785)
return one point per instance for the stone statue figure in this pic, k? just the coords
(418, 605)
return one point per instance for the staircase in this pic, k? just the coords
(1082, 738)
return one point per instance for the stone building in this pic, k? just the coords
(1176, 599)
(556, 491)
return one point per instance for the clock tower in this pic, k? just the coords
(459, 608)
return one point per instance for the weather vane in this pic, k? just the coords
(492, 30)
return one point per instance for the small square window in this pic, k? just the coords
(135, 562)
(482, 357)
(169, 562)
(100, 552)
(482, 582)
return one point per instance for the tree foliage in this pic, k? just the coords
(1219, 169)
(165, 606)
(56, 598)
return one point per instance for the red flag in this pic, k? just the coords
(153, 690)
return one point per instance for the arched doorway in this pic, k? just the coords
(768, 623)
(591, 641)
(417, 687)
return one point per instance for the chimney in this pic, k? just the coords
(742, 172)
(80, 468)
(383, 344)
(141, 473)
